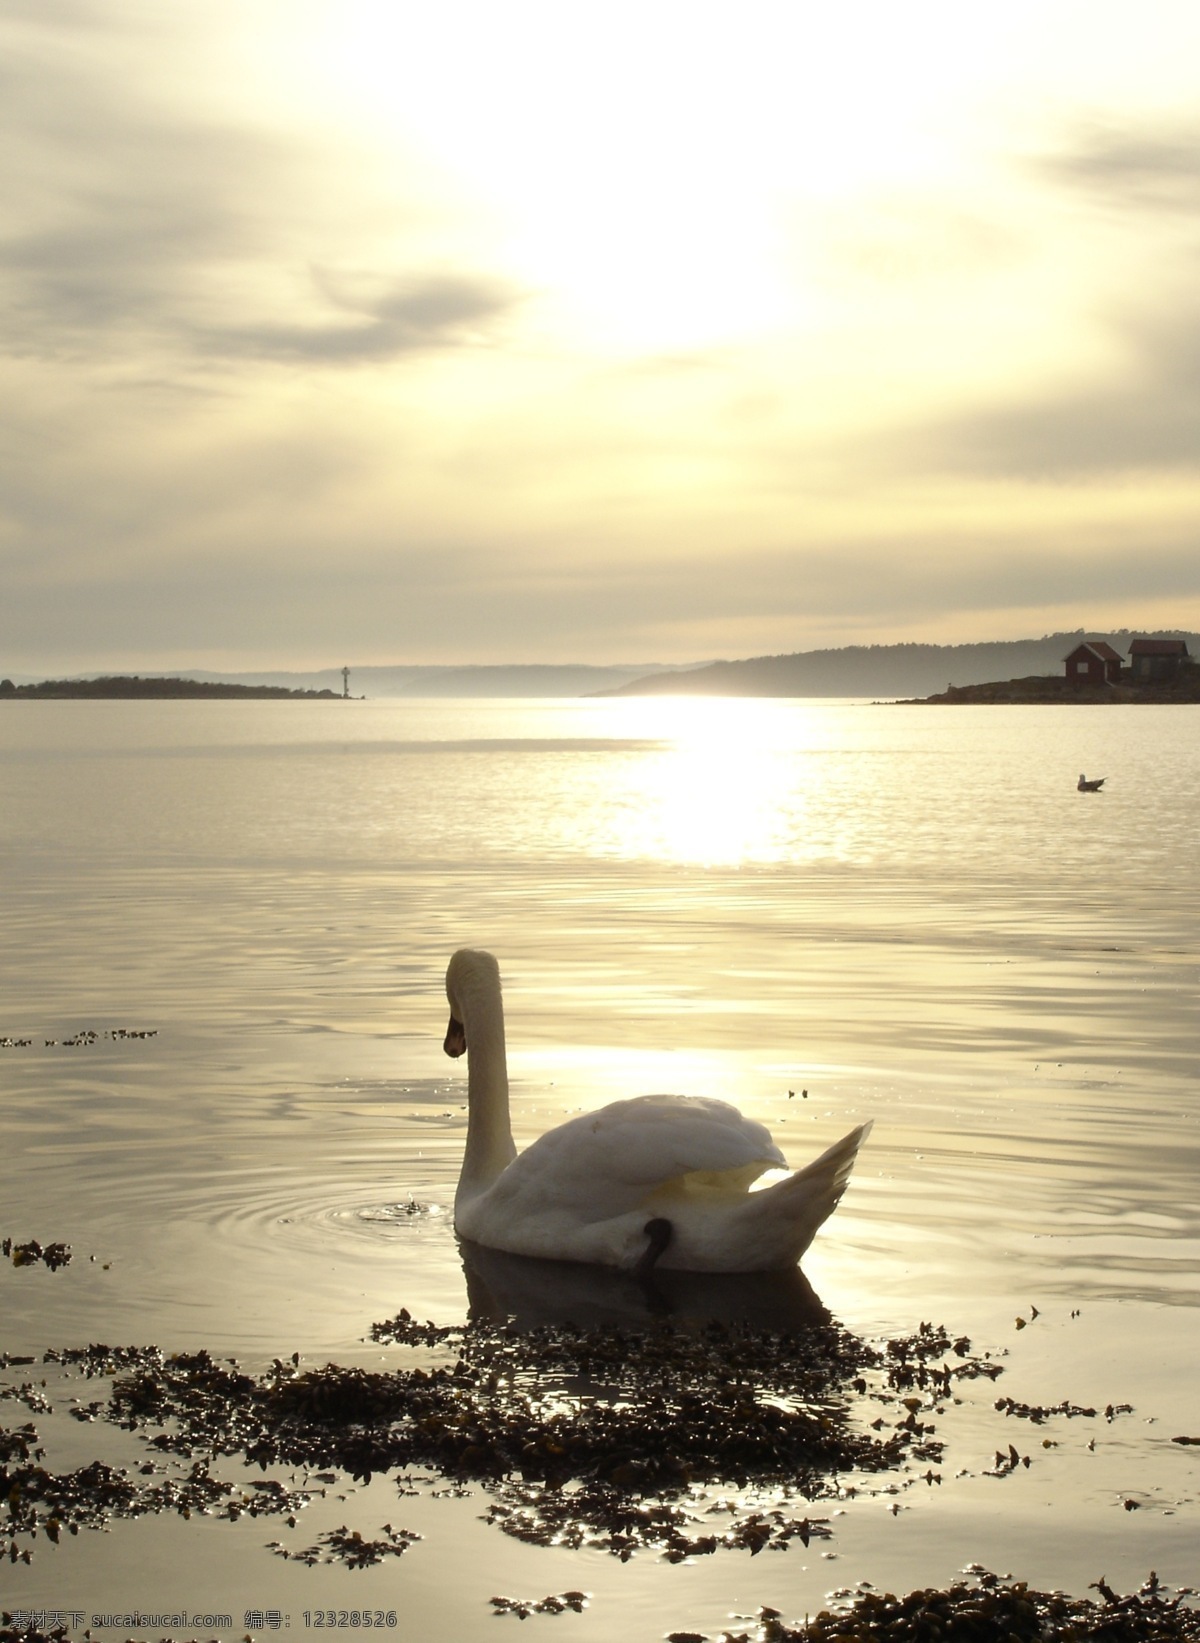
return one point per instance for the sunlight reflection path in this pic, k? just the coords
(725, 787)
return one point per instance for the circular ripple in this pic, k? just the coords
(179, 1245)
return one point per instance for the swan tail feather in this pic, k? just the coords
(836, 1162)
(809, 1197)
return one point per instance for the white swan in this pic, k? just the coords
(660, 1178)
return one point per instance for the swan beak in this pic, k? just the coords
(456, 1038)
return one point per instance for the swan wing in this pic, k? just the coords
(764, 1231)
(609, 1161)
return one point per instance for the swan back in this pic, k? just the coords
(615, 1160)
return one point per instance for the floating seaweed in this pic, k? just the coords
(606, 1437)
(603, 1437)
(83, 1038)
(984, 1609)
(30, 1395)
(683, 1440)
(556, 1603)
(30, 1253)
(642, 1413)
(348, 1546)
(1037, 1413)
(992, 1610)
(40, 1501)
(611, 1520)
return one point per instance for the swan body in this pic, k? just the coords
(658, 1179)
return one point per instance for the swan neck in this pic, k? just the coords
(489, 1147)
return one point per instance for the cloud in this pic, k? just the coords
(279, 381)
(421, 312)
(50, 14)
(908, 238)
(282, 585)
(1143, 420)
(1137, 418)
(129, 224)
(916, 576)
(1148, 167)
(1133, 191)
(111, 207)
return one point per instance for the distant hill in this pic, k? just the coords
(874, 671)
(513, 679)
(378, 682)
(882, 670)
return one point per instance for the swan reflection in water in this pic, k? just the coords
(530, 1291)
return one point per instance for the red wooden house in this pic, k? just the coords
(1152, 660)
(1093, 663)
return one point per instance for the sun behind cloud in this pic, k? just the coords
(557, 332)
(645, 165)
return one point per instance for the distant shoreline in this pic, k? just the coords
(1052, 691)
(133, 688)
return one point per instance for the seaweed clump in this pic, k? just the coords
(995, 1611)
(990, 1610)
(556, 1603)
(636, 1412)
(351, 1548)
(606, 1437)
(620, 1523)
(31, 1252)
(40, 1501)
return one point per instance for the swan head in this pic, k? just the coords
(472, 979)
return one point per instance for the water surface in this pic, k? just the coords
(825, 911)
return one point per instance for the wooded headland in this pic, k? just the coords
(132, 686)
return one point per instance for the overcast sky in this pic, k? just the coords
(380, 331)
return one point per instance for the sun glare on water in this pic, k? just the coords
(731, 784)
